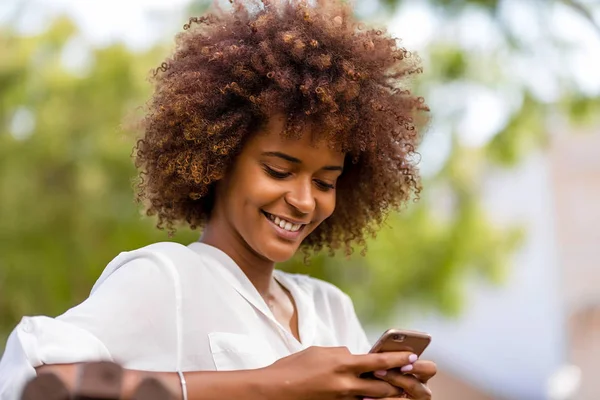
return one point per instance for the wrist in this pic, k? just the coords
(264, 384)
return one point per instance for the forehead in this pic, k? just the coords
(307, 146)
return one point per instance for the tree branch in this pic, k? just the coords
(583, 12)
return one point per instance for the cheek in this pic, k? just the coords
(326, 204)
(260, 191)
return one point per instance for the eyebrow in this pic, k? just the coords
(295, 160)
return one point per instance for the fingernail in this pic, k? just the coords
(381, 373)
(413, 357)
(407, 368)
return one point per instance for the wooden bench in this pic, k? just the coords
(97, 381)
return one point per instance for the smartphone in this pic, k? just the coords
(402, 340)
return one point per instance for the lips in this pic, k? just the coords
(283, 223)
(284, 227)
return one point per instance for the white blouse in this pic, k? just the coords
(169, 307)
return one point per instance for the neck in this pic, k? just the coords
(258, 269)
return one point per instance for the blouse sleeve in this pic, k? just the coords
(135, 295)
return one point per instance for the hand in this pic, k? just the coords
(412, 379)
(327, 373)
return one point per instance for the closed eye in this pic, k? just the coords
(276, 174)
(324, 185)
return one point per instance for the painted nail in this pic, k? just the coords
(407, 368)
(381, 373)
(413, 357)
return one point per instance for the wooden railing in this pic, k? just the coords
(97, 381)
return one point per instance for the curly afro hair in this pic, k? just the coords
(310, 61)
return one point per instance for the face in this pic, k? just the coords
(278, 191)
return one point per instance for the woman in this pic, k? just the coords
(273, 126)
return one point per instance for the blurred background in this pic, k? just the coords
(499, 261)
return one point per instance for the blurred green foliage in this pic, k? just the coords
(66, 190)
(66, 203)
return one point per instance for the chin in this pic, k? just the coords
(280, 252)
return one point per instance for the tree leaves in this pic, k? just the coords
(66, 198)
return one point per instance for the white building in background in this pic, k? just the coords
(575, 165)
(537, 336)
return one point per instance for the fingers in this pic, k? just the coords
(375, 388)
(382, 361)
(423, 370)
(412, 386)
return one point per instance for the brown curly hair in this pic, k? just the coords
(232, 69)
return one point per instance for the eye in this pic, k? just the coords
(324, 185)
(276, 174)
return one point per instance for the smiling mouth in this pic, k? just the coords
(283, 224)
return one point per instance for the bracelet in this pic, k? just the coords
(183, 385)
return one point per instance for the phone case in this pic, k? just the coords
(402, 340)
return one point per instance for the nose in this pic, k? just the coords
(301, 197)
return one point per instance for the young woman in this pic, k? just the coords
(274, 127)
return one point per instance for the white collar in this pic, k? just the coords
(240, 282)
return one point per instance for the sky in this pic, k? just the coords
(139, 23)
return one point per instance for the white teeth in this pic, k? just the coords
(283, 224)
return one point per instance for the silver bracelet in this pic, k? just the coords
(183, 385)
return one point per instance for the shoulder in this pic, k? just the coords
(170, 250)
(154, 260)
